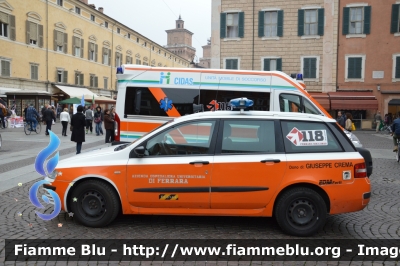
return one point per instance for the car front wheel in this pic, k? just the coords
(300, 211)
(94, 203)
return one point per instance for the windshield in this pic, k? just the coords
(151, 131)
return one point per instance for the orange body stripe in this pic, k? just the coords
(159, 94)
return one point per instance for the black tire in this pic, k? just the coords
(309, 206)
(94, 203)
(26, 128)
(38, 128)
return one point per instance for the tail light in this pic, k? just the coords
(117, 131)
(360, 171)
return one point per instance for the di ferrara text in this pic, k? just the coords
(229, 250)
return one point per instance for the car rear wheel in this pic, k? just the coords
(94, 203)
(300, 211)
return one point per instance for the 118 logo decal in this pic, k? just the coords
(49, 172)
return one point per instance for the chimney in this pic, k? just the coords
(84, 1)
(101, 9)
(92, 6)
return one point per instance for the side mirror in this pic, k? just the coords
(139, 151)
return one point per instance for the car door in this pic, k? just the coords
(175, 171)
(249, 164)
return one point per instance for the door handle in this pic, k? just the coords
(270, 161)
(200, 162)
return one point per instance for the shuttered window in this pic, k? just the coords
(7, 26)
(138, 62)
(395, 21)
(34, 33)
(310, 68)
(106, 56)
(62, 76)
(354, 68)
(92, 51)
(272, 64)
(34, 72)
(60, 41)
(79, 78)
(397, 70)
(356, 20)
(118, 59)
(232, 25)
(311, 22)
(128, 59)
(5, 70)
(94, 81)
(231, 64)
(77, 46)
(106, 83)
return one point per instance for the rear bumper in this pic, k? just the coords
(352, 197)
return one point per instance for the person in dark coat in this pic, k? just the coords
(78, 123)
(48, 116)
(108, 125)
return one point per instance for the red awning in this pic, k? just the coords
(353, 101)
(322, 99)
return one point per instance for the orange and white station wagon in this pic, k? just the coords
(296, 167)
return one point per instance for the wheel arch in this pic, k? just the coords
(81, 179)
(314, 187)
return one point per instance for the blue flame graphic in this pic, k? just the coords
(51, 165)
(46, 152)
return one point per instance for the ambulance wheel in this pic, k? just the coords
(300, 211)
(94, 203)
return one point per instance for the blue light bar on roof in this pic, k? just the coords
(241, 103)
(119, 70)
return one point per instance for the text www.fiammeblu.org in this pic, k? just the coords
(234, 250)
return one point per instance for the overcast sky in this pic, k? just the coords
(152, 17)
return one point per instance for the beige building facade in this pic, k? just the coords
(205, 61)
(291, 36)
(69, 43)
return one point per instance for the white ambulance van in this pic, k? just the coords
(150, 96)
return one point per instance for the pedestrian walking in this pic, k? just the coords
(341, 120)
(109, 126)
(48, 117)
(378, 120)
(65, 120)
(89, 120)
(78, 128)
(98, 120)
(112, 115)
(349, 122)
(3, 110)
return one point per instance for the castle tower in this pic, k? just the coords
(179, 40)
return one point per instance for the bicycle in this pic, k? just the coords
(28, 128)
(386, 129)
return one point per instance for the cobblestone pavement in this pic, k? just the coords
(379, 220)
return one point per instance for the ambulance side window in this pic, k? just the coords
(306, 137)
(309, 108)
(160, 101)
(290, 103)
(193, 138)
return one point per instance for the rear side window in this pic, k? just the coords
(306, 137)
(254, 136)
